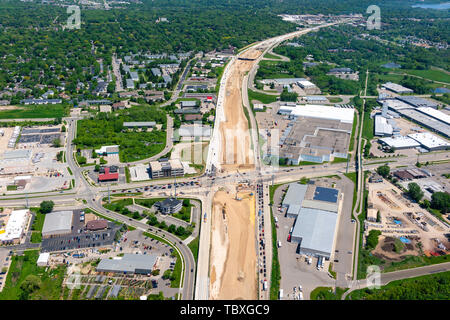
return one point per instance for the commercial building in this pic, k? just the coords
(314, 230)
(188, 103)
(16, 155)
(166, 168)
(95, 225)
(396, 88)
(436, 114)
(314, 140)
(169, 205)
(417, 102)
(15, 227)
(42, 261)
(57, 223)
(107, 150)
(129, 264)
(294, 198)
(430, 141)
(194, 131)
(108, 175)
(319, 112)
(399, 142)
(382, 127)
(139, 124)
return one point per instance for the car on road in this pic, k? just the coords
(192, 270)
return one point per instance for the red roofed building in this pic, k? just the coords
(208, 99)
(108, 176)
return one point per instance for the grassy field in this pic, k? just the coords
(327, 293)
(430, 74)
(271, 56)
(275, 276)
(263, 98)
(193, 245)
(38, 223)
(428, 287)
(368, 125)
(49, 283)
(335, 100)
(40, 111)
(352, 137)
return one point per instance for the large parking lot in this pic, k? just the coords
(80, 237)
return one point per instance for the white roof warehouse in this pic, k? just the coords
(129, 263)
(15, 227)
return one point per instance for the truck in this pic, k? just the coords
(280, 294)
(279, 244)
(265, 285)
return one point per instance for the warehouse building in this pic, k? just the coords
(436, 114)
(188, 103)
(139, 124)
(417, 102)
(319, 112)
(430, 141)
(189, 132)
(294, 198)
(129, 264)
(382, 127)
(15, 227)
(399, 142)
(57, 223)
(42, 261)
(396, 88)
(314, 230)
(107, 150)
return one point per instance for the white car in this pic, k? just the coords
(300, 288)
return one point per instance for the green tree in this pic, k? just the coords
(372, 239)
(46, 206)
(384, 170)
(441, 201)
(414, 191)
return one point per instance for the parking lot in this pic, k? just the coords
(80, 237)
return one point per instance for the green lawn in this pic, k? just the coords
(430, 74)
(335, 100)
(271, 56)
(327, 293)
(193, 245)
(38, 223)
(50, 283)
(263, 98)
(275, 276)
(120, 207)
(176, 273)
(428, 287)
(39, 111)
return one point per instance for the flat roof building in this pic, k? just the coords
(108, 175)
(430, 141)
(382, 127)
(42, 261)
(139, 124)
(295, 194)
(108, 150)
(129, 264)
(15, 227)
(417, 101)
(57, 223)
(169, 168)
(399, 142)
(396, 88)
(318, 111)
(314, 230)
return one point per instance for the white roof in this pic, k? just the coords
(400, 142)
(382, 127)
(194, 131)
(323, 112)
(103, 149)
(306, 83)
(435, 114)
(429, 140)
(57, 222)
(43, 258)
(396, 87)
(15, 225)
